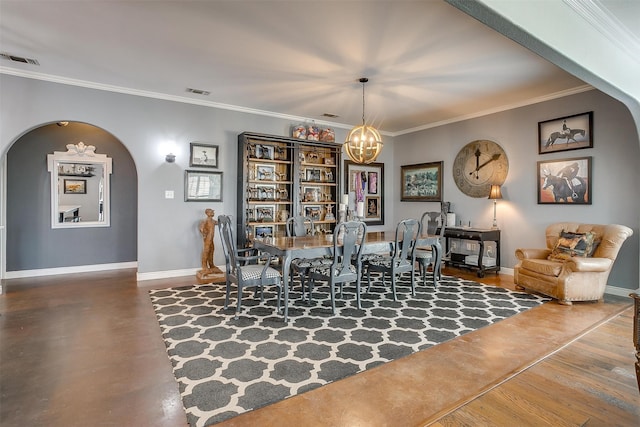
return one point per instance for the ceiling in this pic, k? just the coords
(427, 62)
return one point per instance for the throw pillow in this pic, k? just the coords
(572, 245)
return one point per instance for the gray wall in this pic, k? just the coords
(31, 242)
(615, 172)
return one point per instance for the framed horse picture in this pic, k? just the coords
(566, 133)
(565, 181)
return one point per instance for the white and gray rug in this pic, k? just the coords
(225, 367)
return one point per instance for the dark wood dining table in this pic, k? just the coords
(290, 248)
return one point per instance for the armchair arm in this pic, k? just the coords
(588, 264)
(532, 253)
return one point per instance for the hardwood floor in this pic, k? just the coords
(85, 349)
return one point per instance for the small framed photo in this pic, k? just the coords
(313, 212)
(265, 151)
(75, 186)
(372, 207)
(263, 231)
(266, 192)
(203, 155)
(310, 194)
(566, 133)
(565, 181)
(421, 182)
(312, 175)
(265, 213)
(265, 172)
(202, 186)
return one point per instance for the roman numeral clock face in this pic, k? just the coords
(479, 165)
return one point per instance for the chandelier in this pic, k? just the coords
(363, 143)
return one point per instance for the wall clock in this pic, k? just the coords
(478, 165)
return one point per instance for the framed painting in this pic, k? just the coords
(364, 183)
(265, 172)
(265, 213)
(263, 231)
(312, 175)
(421, 182)
(202, 186)
(372, 207)
(565, 181)
(266, 192)
(313, 212)
(203, 155)
(75, 186)
(566, 133)
(311, 194)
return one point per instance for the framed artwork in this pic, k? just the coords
(566, 133)
(265, 172)
(202, 186)
(311, 194)
(75, 186)
(203, 155)
(312, 174)
(313, 212)
(565, 181)
(364, 183)
(266, 192)
(372, 207)
(263, 231)
(265, 213)
(421, 182)
(265, 151)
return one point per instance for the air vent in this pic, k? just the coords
(198, 91)
(19, 59)
(330, 115)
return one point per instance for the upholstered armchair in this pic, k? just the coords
(574, 266)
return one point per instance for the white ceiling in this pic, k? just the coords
(427, 62)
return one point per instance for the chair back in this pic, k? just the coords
(299, 226)
(407, 231)
(432, 223)
(228, 242)
(351, 236)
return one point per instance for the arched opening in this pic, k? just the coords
(33, 247)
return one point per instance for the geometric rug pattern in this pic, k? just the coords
(225, 367)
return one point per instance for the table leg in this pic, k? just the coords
(480, 265)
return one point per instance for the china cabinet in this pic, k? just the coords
(279, 177)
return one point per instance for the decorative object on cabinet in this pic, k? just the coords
(565, 181)
(327, 135)
(365, 181)
(202, 186)
(421, 182)
(313, 211)
(363, 143)
(495, 194)
(75, 186)
(265, 213)
(299, 132)
(300, 175)
(566, 133)
(478, 165)
(203, 155)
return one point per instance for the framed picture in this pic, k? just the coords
(265, 151)
(265, 172)
(312, 175)
(311, 194)
(266, 192)
(372, 207)
(202, 186)
(566, 133)
(363, 183)
(565, 181)
(263, 231)
(313, 212)
(421, 182)
(203, 155)
(75, 186)
(265, 213)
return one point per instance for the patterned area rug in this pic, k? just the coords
(225, 367)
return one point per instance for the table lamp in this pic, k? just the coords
(494, 194)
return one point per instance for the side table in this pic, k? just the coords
(476, 234)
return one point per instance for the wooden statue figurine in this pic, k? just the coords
(209, 272)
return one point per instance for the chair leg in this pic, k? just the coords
(226, 298)
(286, 303)
(368, 280)
(393, 286)
(358, 293)
(333, 296)
(239, 301)
(311, 282)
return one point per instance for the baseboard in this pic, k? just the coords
(153, 275)
(622, 292)
(69, 270)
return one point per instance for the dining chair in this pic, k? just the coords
(401, 258)
(244, 270)
(432, 224)
(346, 265)
(302, 226)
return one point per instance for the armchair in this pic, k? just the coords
(572, 275)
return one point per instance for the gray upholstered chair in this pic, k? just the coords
(346, 265)
(243, 271)
(432, 224)
(401, 259)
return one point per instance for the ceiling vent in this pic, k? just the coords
(330, 115)
(198, 91)
(15, 58)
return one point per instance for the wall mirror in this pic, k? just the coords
(79, 187)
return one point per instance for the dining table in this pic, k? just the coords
(288, 248)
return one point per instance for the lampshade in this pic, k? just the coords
(363, 143)
(495, 193)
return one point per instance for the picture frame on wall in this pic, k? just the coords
(566, 133)
(200, 186)
(203, 155)
(364, 183)
(565, 181)
(75, 186)
(372, 207)
(421, 182)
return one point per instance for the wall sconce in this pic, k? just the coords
(495, 194)
(170, 158)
